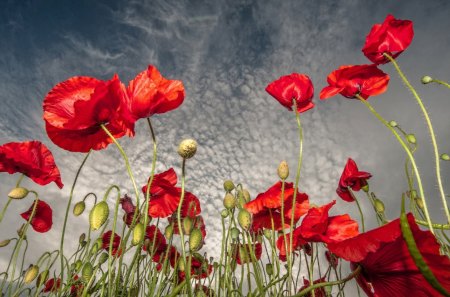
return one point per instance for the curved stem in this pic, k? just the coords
(408, 152)
(61, 245)
(430, 130)
(359, 208)
(2, 214)
(441, 82)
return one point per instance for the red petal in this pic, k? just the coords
(42, 220)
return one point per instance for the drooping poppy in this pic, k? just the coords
(352, 80)
(351, 178)
(42, 220)
(291, 87)
(75, 109)
(387, 266)
(156, 240)
(106, 238)
(297, 243)
(52, 285)
(150, 93)
(31, 158)
(392, 37)
(129, 209)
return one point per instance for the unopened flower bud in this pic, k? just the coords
(229, 201)
(98, 215)
(419, 202)
(18, 193)
(21, 231)
(195, 240)
(4, 243)
(31, 274)
(413, 194)
(411, 138)
(87, 271)
(77, 265)
(283, 170)
(82, 238)
(393, 124)
(246, 195)
(228, 186)
(445, 157)
(138, 234)
(97, 245)
(426, 79)
(78, 208)
(187, 225)
(244, 219)
(103, 258)
(267, 233)
(365, 188)
(187, 148)
(168, 232)
(235, 233)
(379, 206)
(224, 213)
(269, 269)
(42, 278)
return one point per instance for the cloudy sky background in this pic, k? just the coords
(225, 52)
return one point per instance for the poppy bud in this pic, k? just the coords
(78, 208)
(445, 157)
(168, 232)
(224, 213)
(87, 271)
(365, 188)
(195, 240)
(31, 274)
(78, 264)
(42, 278)
(181, 264)
(187, 148)
(97, 245)
(82, 238)
(4, 243)
(426, 79)
(379, 206)
(103, 258)
(413, 194)
(98, 215)
(187, 225)
(411, 138)
(393, 124)
(18, 193)
(244, 219)
(246, 195)
(269, 269)
(283, 170)
(235, 233)
(419, 202)
(229, 201)
(267, 233)
(138, 234)
(228, 185)
(21, 230)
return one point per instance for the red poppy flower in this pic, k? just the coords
(242, 255)
(351, 178)
(319, 292)
(129, 209)
(173, 255)
(293, 86)
(31, 158)
(352, 80)
(42, 220)
(318, 226)
(77, 288)
(298, 242)
(52, 285)
(106, 238)
(200, 267)
(74, 110)
(387, 266)
(392, 37)
(156, 239)
(150, 93)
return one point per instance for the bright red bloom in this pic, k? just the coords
(391, 37)
(351, 178)
(74, 110)
(31, 158)
(387, 266)
(266, 207)
(42, 220)
(242, 255)
(106, 238)
(150, 93)
(352, 80)
(318, 226)
(156, 239)
(293, 86)
(298, 242)
(52, 285)
(319, 292)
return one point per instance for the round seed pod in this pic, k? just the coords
(244, 219)
(235, 233)
(18, 193)
(195, 240)
(283, 170)
(187, 148)
(445, 157)
(138, 234)
(228, 186)
(411, 138)
(229, 201)
(224, 213)
(79, 208)
(98, 215)
(426, 79)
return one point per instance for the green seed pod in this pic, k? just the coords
(87, 272)
(426, 79)
(379, 206)
(445, 157)
(98, 215)
(244, 219)
(187, 225)
(168, 232)
(78, 208)
(18, 193)
(246, 195)
(31, 274)
(228, 186)
(195, 240)
(42, 278)
(78, 264)
(267, 233)
(229, 201)
(187, 148)
(138, 234)
(235, 233)
(224, 213)
(269, 269)
(103, 258)
(4, 243)
(283, 170)
(393, 124)
(411, 138)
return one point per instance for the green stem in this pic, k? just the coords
(437, 226)
(408, 152)
(2, 214)
(430, 130)
(441, 82)
(359, 209)
(61, 245)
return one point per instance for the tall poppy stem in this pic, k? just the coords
(430, 130)
(408, 152)
(441, 82)
(359, 209)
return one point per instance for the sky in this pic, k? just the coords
(225, 52)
